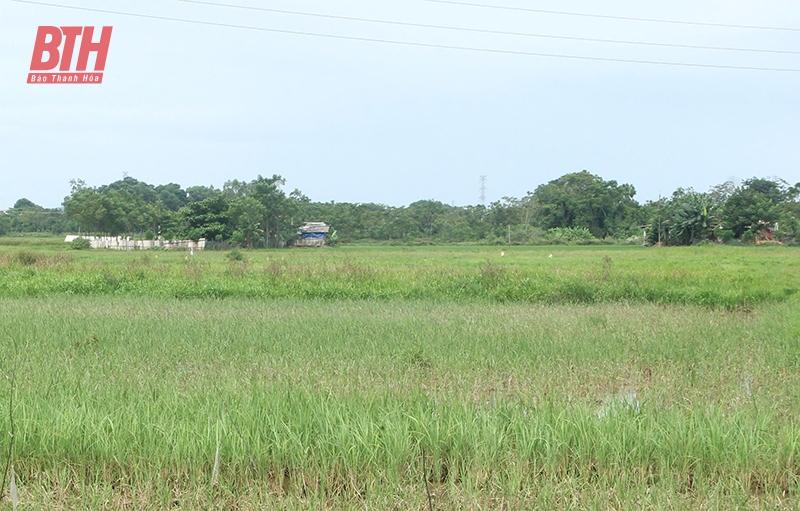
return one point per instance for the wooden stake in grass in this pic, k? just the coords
(13, 491)
(215, 473)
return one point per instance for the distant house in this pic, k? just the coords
(764, 231)
(312, 234)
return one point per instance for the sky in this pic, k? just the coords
(357, 121)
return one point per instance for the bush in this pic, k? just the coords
(81, 244)
(26, 258)
(333, 239)
(726, 236)
(237, 238)
(235, 255)
(748, 237)
(570, 235)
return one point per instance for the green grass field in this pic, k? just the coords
(397, 378)
(727, 277)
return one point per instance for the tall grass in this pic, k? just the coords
(727, 277)
(342, 403)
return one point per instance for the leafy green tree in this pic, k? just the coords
(130, 212)
(658, 216)
(585, 200)
(200, 193)
(129, 186)
(720, 193)
(171, 196)
(26, 216)
(279, 211)
(454, 226)
(236, 188)
(246, 214)
(85, 206)
(790, 213)
(258, 212)
(24, 203)
(424, 214)
(400, 225)
(208, 219)
(756, 200)
(5, 224)
(503, 213)
(114, 209)
(694, 218)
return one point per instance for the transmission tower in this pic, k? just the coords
(483, 190)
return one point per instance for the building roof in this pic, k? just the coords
(315, 227)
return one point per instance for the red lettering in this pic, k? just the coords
(70, 34)
(51, 47)
(101, 48)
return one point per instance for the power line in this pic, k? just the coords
(486, 31)
(606, 16)
(412, 43)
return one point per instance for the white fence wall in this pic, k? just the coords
(126, 243)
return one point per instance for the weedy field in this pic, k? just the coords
(401, 378)
(728, 277)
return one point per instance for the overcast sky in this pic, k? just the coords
(368, 122)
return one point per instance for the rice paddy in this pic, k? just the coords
(392, 378)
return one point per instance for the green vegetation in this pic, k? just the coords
(28, 217)
(710, 276)
(577, 208)
(81, 244)
(368, 377)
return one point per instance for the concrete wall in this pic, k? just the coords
(309, 242)
(126, 243)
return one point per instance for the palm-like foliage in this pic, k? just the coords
(695, 218)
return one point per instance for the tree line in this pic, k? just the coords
(578, 207)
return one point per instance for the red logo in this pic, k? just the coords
(48, 55)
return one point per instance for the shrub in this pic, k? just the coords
(81, 244)
(237, 238)
(726, 236)
(333, 239)
(569, 235)
(26, 258)
(235, 255)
